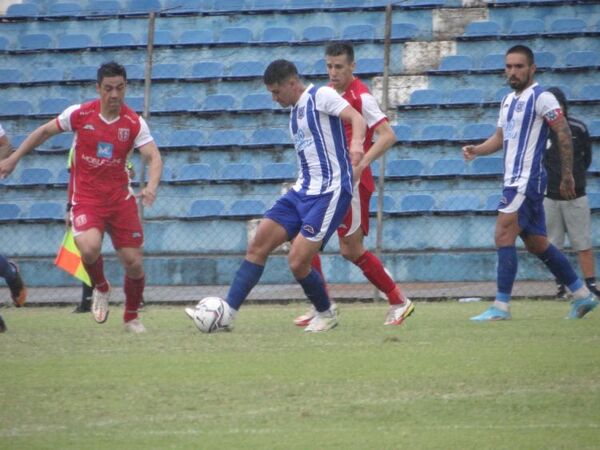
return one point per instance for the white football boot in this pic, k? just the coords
(100, 305)
(397, 313)
(134, 326)
(322, 321)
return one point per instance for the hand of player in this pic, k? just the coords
(148, 196)
(6, 167)
(469, 152)
(567, 187)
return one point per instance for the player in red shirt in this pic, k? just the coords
(101, 197)
(339, 58)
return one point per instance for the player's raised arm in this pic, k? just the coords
(5, 146)
(35, 139)
(491, 145)
(152, 156)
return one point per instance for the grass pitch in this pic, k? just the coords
(438, 381)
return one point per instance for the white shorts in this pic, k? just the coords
(571, 217)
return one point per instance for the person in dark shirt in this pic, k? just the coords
(570, 217)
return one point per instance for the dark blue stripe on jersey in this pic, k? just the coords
(312, 117)
(301, 155)
(524, 134)
(538, 174)
(342, 152)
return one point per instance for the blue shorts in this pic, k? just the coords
(316, 217)
(531, 217)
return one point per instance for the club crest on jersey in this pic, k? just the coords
(80, 220)
(520, 106)
(104, 150)
(123, 134)
(301, 112)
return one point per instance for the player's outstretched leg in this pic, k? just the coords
(305, 318)
(326, 316)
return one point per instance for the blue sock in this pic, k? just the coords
(245, 279)
(561, 268)
(314, 288)
(7, 270)
(507, 272)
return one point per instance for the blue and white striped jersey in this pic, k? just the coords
(320, 141)
(524, 121)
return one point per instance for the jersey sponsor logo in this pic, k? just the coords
(89, 126)
(80, 220)
(123, 134)
(136, 234)
(301, 142)
(104, 150)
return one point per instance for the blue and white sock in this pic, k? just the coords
(245, 279)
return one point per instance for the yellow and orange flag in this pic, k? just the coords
(69, 259)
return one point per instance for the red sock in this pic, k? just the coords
(96, 273)
(375, 273)
(134, 289)
(316, 264)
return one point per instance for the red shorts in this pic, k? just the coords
(119, 219)
(358, 213)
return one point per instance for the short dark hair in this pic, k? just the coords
(279, 71)
(523, 50)
(110, 69)
(560, 96)
(341, 48)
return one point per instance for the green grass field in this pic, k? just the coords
(438, 381)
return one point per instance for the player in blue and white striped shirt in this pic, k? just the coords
(526, 116)
(310, 212)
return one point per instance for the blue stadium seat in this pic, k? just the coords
(74, 41)
(22, 11)
(359, 33)
(544, 60)
(317, 34)
(389, 205)
(196, 37)
(448, 168)
(83, 73)
(228, 6)
(567, 27)
(64, 10)
(34, 42)
(135, 71)
(217, 103)
(488, 166)
(348, 5)
(265, 6)
(45, 212)
(491, 203)
(300, 5)
(238, 172)
(15, 108)
(494, 62)
(235, 35)
(455, 64)
(526, 28)
(177, 7)
(437, 132)
(481, 29)
(478, 131)
(193, 172)
(586, 59)
(247, 69)
(257, 102)
(590, 92)
(54, 105)
(11, 76)
(369, 66)
(171, 71)
(278, 35)
(422, 4)
(205, 208)
(594, 129)
(269, 137)
(226, 138)
(319, 67)
(103, 8)
(455, 204)
(501, 93)
(207, 70)
(135, 103)
(46, 75)
(185, 139)
(162, 38)
(181, 104)
(246, 208)
(425, 97)
(9, 212)
(59, 143)
(3, 43)
(403, 168)
(465, 97)
(403, 132)
(594, 201)
(141, 7)
(117, 40)
(63, 177)
(415, 204)
(403, 31)
(279, 172)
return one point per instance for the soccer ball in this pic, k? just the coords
(211, 314)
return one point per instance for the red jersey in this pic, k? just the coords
(98, 172)
(359, 97)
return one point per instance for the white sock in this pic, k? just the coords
(502, 306)
(582, 292)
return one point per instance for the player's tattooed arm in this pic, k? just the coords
(565, 150)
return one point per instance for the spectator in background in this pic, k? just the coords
(8, 269)
(570, 216)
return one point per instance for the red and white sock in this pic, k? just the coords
(375, 272)
(134, 289)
